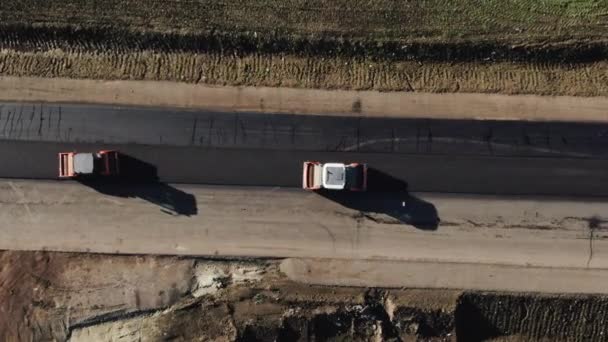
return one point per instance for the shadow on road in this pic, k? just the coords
(139, 179)
(387, 195)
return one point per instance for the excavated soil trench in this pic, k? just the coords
(352, 314)
(83, 297)
(68, 38)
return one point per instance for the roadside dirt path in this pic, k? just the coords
(374, 273)
(306, 101)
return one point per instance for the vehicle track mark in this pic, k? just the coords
(41, 120)
(194, 124)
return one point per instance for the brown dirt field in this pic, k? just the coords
(430, 20)
(23, 280)
(43, 294)
(313, 72)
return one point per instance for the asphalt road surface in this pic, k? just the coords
(486, 157)
(179, 127)
(461, 174)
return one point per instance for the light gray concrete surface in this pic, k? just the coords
(274, 222)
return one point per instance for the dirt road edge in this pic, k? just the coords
(454, 276)
(305, 101)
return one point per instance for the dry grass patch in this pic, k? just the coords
(314, 72)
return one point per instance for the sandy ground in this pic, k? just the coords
(47, 296)
(305, 101)
(267, 222)
(42, 295)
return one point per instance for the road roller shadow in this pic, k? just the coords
(387, 195)
(139, 179)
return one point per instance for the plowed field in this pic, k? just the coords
(556, 47)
